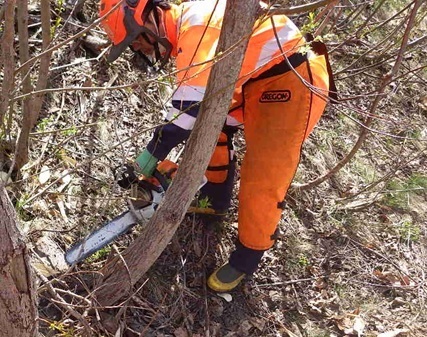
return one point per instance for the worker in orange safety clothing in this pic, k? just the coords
(280, 95)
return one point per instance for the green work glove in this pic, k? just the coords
(146, 163)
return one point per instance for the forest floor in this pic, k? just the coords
(351, 259)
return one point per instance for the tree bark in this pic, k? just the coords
(31, 105)
(121, 273)
(7, 59)
(18, 311)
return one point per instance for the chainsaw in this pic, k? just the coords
(146, 196)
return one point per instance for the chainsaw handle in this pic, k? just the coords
(162, 179)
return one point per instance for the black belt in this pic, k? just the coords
(292, 62)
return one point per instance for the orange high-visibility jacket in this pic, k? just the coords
(193, 28)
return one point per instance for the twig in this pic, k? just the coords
(60, 301)
(387, 176)
(124, 262)
(383, 23)
(206, 303)
(298, 9)
(396, 266)
(329, 11)
(265, 285)
(81, 61)
(364, 24)
(70, 293)
(364, 132)
(143, 331)
(72, 38)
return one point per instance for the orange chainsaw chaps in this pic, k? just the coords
(217, 170)
(277, 117)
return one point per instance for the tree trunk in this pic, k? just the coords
(120, 274)
(7, 59)
(18, 310)
(31, 105)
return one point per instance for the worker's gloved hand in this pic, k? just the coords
(128, 174)
(146, 163)
(125, 175)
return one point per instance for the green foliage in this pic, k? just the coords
(417, 182)
(20, 203)
(61, 329)
(42, 125)
(400, 193)
(70, 131)
(309, 28)
(99, 255)
(409, 231)
(311, 24)
(303, 260)
(55, 26)
(204, 203)
(59, 9)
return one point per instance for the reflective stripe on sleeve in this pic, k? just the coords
(231, 121)
(181, 119)
(284, 34)
(189, 93)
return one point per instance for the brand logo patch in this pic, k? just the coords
(275, 96)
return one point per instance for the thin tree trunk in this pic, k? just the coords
(120, 274)
(7, 59)
(18, 310)
(21, 153)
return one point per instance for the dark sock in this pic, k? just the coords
(244, 259)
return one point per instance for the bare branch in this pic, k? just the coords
(299, 9)
(66, 41)
(45, 59)
(364, 132)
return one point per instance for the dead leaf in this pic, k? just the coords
(258, 323)
(359, 325)
(180, 332)
(423, 103)
(68, 161)
(405, 281)
(289, 332)
(320, 284)
(393, 333)
(44, 175)
(197, 249)
(244, 328)
(226, 296)
(343, 322)
(4, 177)
(66, 177)
(61, 207)
(119, 332)
(392, 279)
